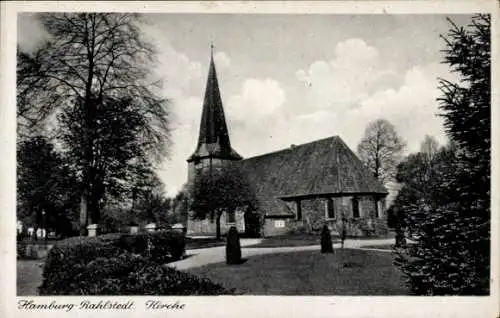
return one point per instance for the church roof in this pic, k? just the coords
(213, 140)
(321, 168)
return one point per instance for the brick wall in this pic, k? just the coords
(208, 227)
(314, 217)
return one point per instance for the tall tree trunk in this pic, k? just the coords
(83, 215)
(95, 213)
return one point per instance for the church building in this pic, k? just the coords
(298, 189)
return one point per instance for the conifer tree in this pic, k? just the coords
(451, 219)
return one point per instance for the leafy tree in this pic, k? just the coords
(45, 184)
(179, 206)
(152, 207)
(90, 82)
(450, 220)
(380, 149)
(220, 191)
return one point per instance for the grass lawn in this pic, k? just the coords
(195, 243)
(382, 247)
(289, 241)
(347, 272)
(29, 277)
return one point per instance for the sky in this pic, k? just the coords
(290, 79)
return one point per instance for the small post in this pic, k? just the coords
(44, 225)
(134, 229)
(180, 228)
(150, 227)
(343, 233)
(92, 230)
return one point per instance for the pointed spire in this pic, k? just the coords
(213, 140)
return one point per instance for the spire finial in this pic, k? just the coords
(211, 48)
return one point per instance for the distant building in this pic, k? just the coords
(298, 189)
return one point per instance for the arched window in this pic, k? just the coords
(355, 208)
(330, 209)
(298, 207)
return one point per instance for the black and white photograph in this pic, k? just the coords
(250, 154)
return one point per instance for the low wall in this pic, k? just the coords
(33, 250)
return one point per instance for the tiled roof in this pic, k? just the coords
(320, 168)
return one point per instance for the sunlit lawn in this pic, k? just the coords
(288, 241)
(347, 272)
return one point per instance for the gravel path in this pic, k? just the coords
(200, 257)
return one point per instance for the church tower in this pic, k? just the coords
(214, 148)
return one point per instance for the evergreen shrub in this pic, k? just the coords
(233, 248)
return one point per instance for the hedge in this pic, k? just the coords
(70, 257)
(161, 246)
(130, 274)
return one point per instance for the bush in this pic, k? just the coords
(326, 240)
(161, 246)
(233, 248)
(166, 246)
(69, 257)
(131, 274)
(21, 250)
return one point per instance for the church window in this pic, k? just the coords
(355, 208)
(230, 217)
(379, 206)
(298, 210)
(329, 209)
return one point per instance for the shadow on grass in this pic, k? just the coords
(242, 261)
(198, 243)
(345, 272)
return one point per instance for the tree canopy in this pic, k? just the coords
(88, 87)
(220, 190)
(45, 184)
(380, 149)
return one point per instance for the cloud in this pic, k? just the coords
(222, 60)
(30, 32)
(351, 75)
(412, 107)
(258, 98)
(354, 88)
(176, 70)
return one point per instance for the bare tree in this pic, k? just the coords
(90, 61)
(429, 147)
(380, 149)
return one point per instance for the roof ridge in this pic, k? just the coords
(334, 137)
